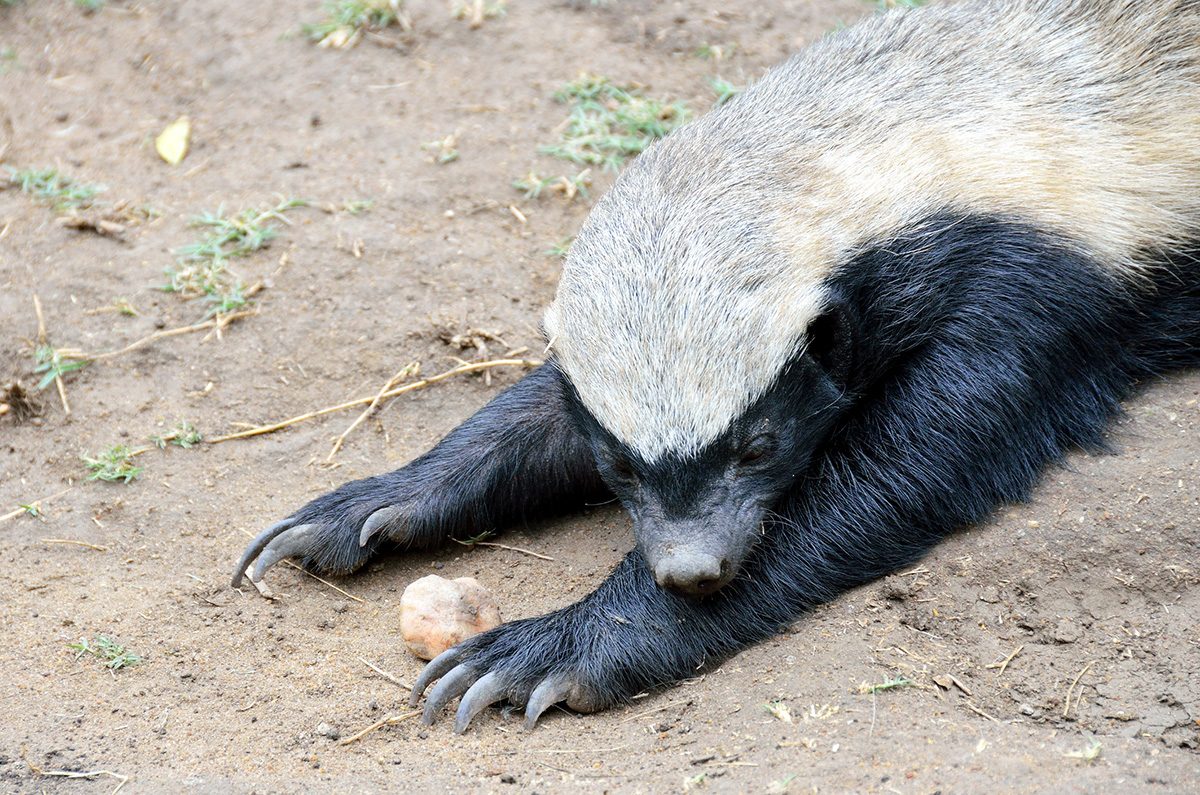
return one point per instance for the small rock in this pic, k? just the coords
(325, 730)
(1130, 730)
(1066, 632)
(1026, 709)
(436, 613)
(508, 778)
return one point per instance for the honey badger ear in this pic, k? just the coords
(831, 341)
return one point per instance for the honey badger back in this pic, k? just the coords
(810, 334)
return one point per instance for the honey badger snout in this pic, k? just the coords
(690, 572)
(694, 556)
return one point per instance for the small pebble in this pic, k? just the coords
(436, 613)
(325, 730)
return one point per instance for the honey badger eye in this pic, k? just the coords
(756, 449)
(621, 469)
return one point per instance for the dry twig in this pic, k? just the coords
(502, 546)
(15, 512)
(36, 505)
(76, 543)
(466, 368)
(62, 392)
(326, 583)
(218, 322)
(89, 774)
(651, 711)
(385, 674)
(1067, 704)
(388, 721)
(6, 126)
(412, 368)
(1003, 664)
(261, 587)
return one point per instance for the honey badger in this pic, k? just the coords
(813, 332)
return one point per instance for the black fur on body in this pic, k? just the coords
(950, 362)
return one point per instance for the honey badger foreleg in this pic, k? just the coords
(519, 458)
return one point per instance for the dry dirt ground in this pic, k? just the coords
(1090, 591)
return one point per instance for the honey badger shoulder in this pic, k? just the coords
(810, 334)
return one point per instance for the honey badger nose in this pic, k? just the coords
(690, 573)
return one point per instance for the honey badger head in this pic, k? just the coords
(676, 364)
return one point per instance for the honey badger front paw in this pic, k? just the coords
(526, 663)
(336, 533)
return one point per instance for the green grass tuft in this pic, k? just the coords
(50, 361)
(533, 185)
(442, 151)
(112, 464)
(8, 58)
(346, 21)
(561, 248)
(183, 434)
(357, 207)
(113, 655)
(884, 6)
(610, 123)
(716, 52)
(63, 193)
(724, 90)
(202, 270)
(887, 684)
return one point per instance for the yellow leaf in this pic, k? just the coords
(172, 143)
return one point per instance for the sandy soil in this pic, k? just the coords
(1093, 585)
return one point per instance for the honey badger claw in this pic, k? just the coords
(479, 692)
(549, 692)
(257, 546)
(451, 686)
(292, 542)
(380, 520)
(488, 690)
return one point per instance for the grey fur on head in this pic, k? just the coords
(693, 281)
